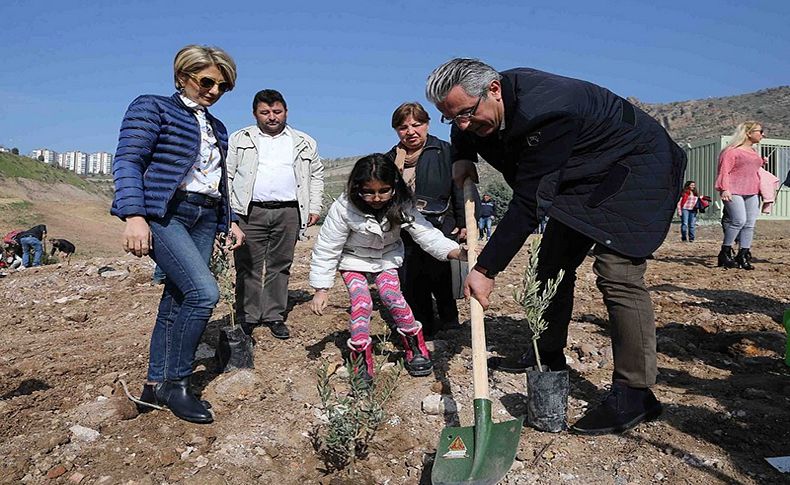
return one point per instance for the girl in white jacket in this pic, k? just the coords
(361, 237)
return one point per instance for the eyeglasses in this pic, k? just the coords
(762, 132)
(208, 83)
(383, 194)
(463, 115)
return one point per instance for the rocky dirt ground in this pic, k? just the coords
(71, 333)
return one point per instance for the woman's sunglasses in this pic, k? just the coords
(208, 83)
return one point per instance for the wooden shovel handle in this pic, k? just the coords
(479, 365)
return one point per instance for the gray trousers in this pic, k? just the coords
(263, 263)
(621, 281)
(742, 212)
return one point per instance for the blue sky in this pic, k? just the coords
(71, 68)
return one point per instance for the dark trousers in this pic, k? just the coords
(621, 281)
(263, 263)
(424, 278)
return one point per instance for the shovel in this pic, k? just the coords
(481, 454)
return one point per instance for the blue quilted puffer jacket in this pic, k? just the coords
(158, 144)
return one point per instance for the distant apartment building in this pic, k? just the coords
(75, 161)
(45, 155)
(100, 163)
(4, 149)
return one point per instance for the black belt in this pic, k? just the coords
(202, 200)
(274, 204)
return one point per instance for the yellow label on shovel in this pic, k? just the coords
(457, 449)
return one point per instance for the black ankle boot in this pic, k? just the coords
(725, 258)
(176, 396)
(744, 259)
(418, 358)
(622, 409)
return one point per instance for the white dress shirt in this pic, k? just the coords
(275, 180)
(206, 173)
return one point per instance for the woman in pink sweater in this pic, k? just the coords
(738, 184)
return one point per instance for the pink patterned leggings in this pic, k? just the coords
(388, 285)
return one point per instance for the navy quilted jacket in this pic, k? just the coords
(438, 198)
(158, 144)
(585, 156)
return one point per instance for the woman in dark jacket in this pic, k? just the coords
(171, 189)
(426, 164)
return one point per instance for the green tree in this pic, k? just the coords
(15, 151)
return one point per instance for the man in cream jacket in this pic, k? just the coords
(277, 183)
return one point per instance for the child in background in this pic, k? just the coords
(361, 237)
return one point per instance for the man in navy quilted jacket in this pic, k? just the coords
(607, 175)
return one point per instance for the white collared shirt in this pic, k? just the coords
(275, 180)
(206, 173)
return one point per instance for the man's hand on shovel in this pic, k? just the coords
(479, 286)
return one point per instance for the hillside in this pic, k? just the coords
(73, 208)
(15, 166)
(703, 118)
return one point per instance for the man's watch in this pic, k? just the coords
(485, 272)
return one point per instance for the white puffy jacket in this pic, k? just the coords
(352, 240)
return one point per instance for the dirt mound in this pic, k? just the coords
(69, 212)
(70, 334)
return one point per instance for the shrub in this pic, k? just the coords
(351, 418)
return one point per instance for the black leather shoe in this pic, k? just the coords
(622, 409)
(176, 396)
(725, 258)
(744, 259)
(279, 329)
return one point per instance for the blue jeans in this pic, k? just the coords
(688, 223)
(485, 224)
(158, 276)
(182, 243)
(28, 243)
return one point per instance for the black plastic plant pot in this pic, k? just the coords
(547, 400)
(234, 350)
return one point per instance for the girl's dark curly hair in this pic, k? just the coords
(378, 167)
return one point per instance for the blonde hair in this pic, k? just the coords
(194, 58)
(742, 133)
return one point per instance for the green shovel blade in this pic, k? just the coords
(481, 454)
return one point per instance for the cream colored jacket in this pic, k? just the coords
(242, 165)
(355, 241)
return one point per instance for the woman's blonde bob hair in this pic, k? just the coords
(194, 58)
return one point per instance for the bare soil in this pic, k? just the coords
(70, 335)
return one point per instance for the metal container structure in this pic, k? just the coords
(703, 161)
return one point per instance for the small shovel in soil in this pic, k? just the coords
(481, 454)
